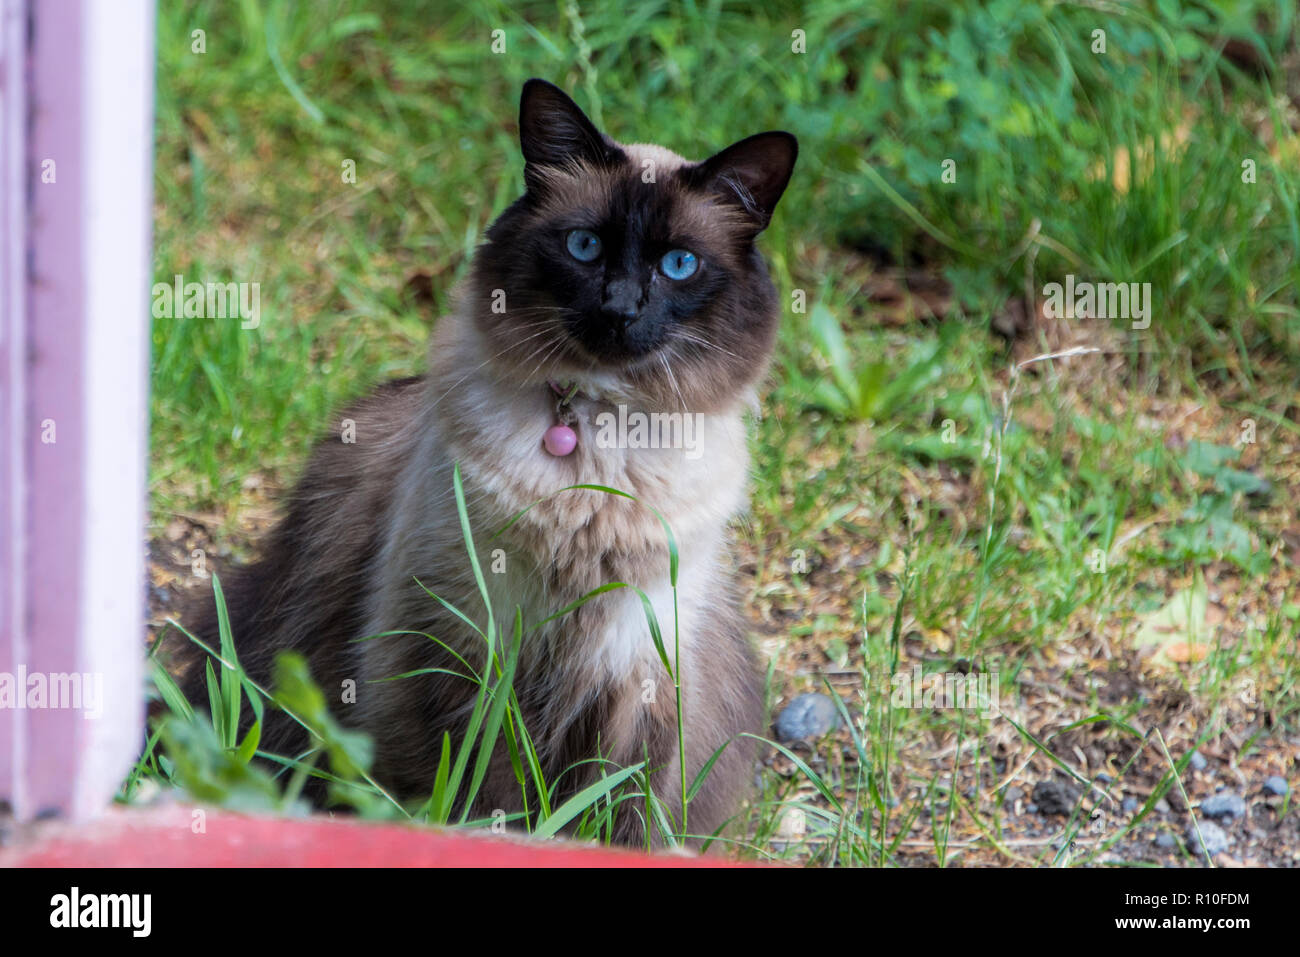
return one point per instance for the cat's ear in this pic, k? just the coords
(752, 173)
(553, 131)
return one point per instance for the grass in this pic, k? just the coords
(914, 501)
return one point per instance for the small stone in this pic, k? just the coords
(1012, 794)
(1276, 784)
(1214, 837)
(1031, 808)
(1223, 804)
(1166, 840)
(1129, 805)
(1104, 778)
(1162, 806)
(1198, 761)
(807, 716)
(1055, 797)
(792, 827)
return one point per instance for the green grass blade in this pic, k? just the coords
(214, 701)
(492, 728)
(463, 512)
(703, 774)
(171, 693)
(230, 683)
(438, 798)
(584, 799)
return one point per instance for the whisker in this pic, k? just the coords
(690, 337)
(672, 379)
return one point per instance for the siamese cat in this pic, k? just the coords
(612, 331)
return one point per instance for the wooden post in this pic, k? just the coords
(76, 91)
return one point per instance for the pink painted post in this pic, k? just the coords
(13, 254)
(76, 98)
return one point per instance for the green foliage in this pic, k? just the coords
(204, 755)
(870, 391)
(350, 752)
(1210, 529)
(211, 773)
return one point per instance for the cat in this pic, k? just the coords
(624, 282)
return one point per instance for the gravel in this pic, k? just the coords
(1276, 784)
(1055, 797)
(807, 716)
(1223, 804)
(1215, 838)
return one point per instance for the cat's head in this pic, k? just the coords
(629, 264)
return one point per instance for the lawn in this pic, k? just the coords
(1099, 515)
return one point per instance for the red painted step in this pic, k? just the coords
(166, 837)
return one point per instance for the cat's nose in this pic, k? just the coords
(622, 301)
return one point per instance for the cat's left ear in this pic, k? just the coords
(752, 173)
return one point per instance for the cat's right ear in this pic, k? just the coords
(553, 131)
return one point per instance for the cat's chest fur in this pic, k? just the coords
(565, 544)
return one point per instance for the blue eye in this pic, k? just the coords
(583, 245)
(679, 264)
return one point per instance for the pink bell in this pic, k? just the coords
(560, 440)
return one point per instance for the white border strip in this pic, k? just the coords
(117, 98)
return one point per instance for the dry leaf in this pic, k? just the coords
(1178, 632)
